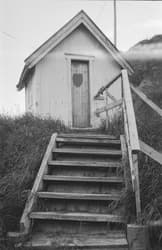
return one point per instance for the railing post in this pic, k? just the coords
(132, 140)
(107, 114)
(137, 187)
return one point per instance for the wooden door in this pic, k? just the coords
(80, 94)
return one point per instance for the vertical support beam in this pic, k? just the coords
(107, 114)
(124, 158)
(137, 187)
(115, 24)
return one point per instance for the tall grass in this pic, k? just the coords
(149, 125)
(23, 141)
(115, 124)
(150, 131)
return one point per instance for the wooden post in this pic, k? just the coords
(124, 158)
(107, 114)
(115, 24)
(138, 237)
(137, 187)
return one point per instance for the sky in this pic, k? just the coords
(26, 24)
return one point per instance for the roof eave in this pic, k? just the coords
(83, 18)
(23, 78)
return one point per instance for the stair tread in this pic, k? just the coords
(73, 199)
(77, 216)
(88, 141)
(92, 163)
(87, 135)
(80, 196)
(88, 151)
(83, 179)
(97, 240)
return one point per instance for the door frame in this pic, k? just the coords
(90, 59)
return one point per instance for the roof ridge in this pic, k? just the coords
(80, 18)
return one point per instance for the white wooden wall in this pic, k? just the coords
(50, 87)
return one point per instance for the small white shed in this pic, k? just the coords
(63, 75)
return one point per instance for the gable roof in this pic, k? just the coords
(67, 29)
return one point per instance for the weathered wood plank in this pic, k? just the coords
(96, 152)
(109, 107)
(102, 89)
(80, 196)
(111, 240)
(132, 126)
(88, 164)
(128, 146)
(77, 217)
(25, 222)
(87, 136)
(107, 112)
(147, 100)
(124, 157)
(137, 188)
(89, 141)
(155, 223)
(152, 153)
(80, 95)
(113, 179)
(111, 96)
(133, 162)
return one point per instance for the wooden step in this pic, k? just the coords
(87, 136)
(80, 196)
(91, 217)
(83, 141)
(95, 152)
(111, 241)
(87, 164)
(83, 179)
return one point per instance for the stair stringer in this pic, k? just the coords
(25, 221)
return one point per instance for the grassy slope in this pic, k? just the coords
(23, 142)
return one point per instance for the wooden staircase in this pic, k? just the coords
(73, 208)
(71, 204)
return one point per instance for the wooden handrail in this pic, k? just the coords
(130, 129)
(109, 106)
(111, 96)
(134, 145)
(126, 130)
(132, 126)
(147, 100)
(145, 148)
(25, 221)
(132, 139)
(152, 153)
(103, 88)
